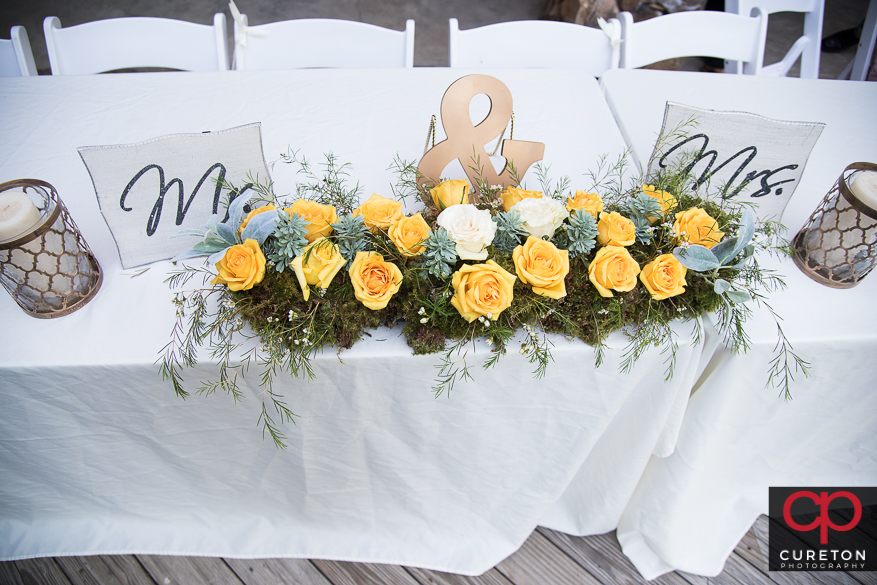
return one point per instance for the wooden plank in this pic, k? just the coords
(41, 571)
(426, 577)
(173, 570)
(538, 561)
(275, 571)
(864, 577)
(105, 570)
(342, 573)
(9, 574)
(601, 556)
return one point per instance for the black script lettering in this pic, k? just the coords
(183, 203)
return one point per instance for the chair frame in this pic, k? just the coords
(562, 33)
(20, 46)
(808, 47)
(353, 28)
(728, 26)
(135, 42)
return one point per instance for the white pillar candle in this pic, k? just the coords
(17, 214)
(864, 187)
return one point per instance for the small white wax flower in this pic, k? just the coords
(421, 311)
(472, 229)
(424, 320)
(541, 215)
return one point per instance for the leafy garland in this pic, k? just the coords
(283, 279)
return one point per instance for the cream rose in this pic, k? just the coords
(664, 277)
(321, 217)
(613, 268)
(374, 280)
(318, 264)
(242, 266)
(409, 233)
(254, 213)
(482, 290)
(584, 201)
(379, 212)
(666, 200)
(541, 216)
(696, 226)
(613, 229)
(472, 229)
(449, 193)
(512, 195)
(541, 265)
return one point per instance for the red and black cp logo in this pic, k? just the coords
(822, 529)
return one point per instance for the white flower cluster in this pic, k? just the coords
(541, 215)
(472, 229)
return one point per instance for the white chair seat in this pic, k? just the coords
(534, 44)
(321, 42)
(16, 58)
(120, 43)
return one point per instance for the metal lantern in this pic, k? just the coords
(837, 247)
(49, 269)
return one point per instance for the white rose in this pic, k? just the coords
(472, 229)
(541, 216)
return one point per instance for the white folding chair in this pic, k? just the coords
(858, 68)
(535, 44)
(16, 58)
(121, 43)
(691, 34)
(321, 42)
(807, 47)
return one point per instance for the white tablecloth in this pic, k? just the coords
(98, 455)
(737, 437)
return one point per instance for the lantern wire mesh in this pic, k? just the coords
(837, 246)
(49, 270)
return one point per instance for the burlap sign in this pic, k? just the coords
(743, 156)
(150, 190)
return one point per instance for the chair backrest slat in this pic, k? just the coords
(533, 44)
(121, 43)
(321, 42)
(16, 57)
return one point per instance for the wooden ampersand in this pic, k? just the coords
(466, 141)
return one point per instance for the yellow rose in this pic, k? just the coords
(695, 226)
(584, 201)
(666, 200)
(449, 193)
(664, 277)
(379, 212)
(512, 195)
(409, 233)
(318, 264)
(320, 216)
(253, 214)
(374, 280)
(482, 290)
(613, 268)
(540, 264)
(613, 229)
(242, 266)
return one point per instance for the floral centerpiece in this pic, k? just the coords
(476, 261)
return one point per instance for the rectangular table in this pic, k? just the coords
(98, 455)
(738, 438)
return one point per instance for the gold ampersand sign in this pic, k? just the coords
(466, 141)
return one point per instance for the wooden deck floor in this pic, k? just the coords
(547, 558)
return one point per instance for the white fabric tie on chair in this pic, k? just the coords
(612, 30)
(243, 30)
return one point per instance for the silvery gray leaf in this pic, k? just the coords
(226, 233)
(738, 296)
(721, 286)
(697, 258)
